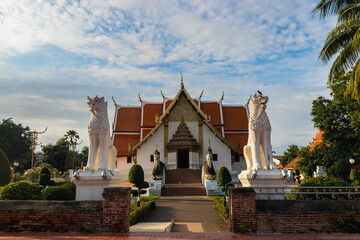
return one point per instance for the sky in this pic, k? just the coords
(53, 54)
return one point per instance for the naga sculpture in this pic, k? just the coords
(258, 151)
(159, 167)
(102, 154)
(208, 168)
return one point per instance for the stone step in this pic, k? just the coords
(183, 175)
(183, 190)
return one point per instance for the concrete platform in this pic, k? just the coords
(152, 227)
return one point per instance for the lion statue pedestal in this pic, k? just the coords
(261, 174)
(99, 172)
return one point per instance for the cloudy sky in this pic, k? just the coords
(55, 53)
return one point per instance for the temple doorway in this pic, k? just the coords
(183, 158)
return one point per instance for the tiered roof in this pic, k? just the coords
(135, 125)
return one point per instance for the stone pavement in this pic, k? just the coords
(191, 214)
(168, 236)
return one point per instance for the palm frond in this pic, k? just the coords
(338, 38)
(330, 7)
(349, 13)
(353, 86)
(346, 60)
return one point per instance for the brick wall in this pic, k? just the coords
(287, 216)
(67, 215)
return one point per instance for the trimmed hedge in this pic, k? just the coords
(57, 193)
(69, 185)
(45, 179)
(223, 176)
(323, 181)
(20, 191)
(59, 183)
(139, 213)
(243, 190)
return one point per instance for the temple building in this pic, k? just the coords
(181, 129)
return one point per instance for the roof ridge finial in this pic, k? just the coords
(181, 80)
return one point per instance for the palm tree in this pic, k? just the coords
(343, 40)
(72, 138)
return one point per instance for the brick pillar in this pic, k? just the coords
(242, 211)
(116, 209)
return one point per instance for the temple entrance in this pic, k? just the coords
(183, 158)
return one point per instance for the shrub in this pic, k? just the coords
(45, 170)
(45, 179)
(342, 168)
(323, 181)
(223, 176)
(59, 183)
(52, 183)
(139, 213)
(58, 193)
(220, 208)
(69, 185)
(136, 175)
(20, 191)
(5, 169)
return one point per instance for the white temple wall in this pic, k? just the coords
(218, 147)
(193, 128)
(239, 166)
(148, 148)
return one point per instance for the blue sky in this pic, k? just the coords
(55, 53)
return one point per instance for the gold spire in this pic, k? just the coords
(181, 80)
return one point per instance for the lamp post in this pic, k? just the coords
(16, 164)
(352, 161)
(34, 136)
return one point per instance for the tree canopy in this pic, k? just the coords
(16, 147)
(289, 154)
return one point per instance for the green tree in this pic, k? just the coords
(289, 154)
(57, 155)
(5, 169)
(339, 119)
(16, 148)
(343, 41)
(223, 176)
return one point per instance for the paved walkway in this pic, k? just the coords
(168, 236)
(191, 214)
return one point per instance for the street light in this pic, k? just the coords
(16, 164)
(34, 137)
(352, 161)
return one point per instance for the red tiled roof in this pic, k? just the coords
(121, 142)
(212, 109)
(150, 109)
(235, 119)
(291, 165)
(318, 139)
(237, 140)
(128, 119)
(145, 132)
(167, 103)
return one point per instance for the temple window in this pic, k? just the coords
(151, 158)
(215, 157)
(237, 158)
(128, 159)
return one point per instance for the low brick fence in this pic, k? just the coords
(292, 216)
(111, 214)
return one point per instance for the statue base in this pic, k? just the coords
(268, 184)
(155, 188)
(212, 188)
(90, 184)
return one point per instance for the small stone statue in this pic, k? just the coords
(208, 168)
(159, 167)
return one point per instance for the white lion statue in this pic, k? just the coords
(102, 154)
(258, 151)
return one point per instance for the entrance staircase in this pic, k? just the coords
(183, 182)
